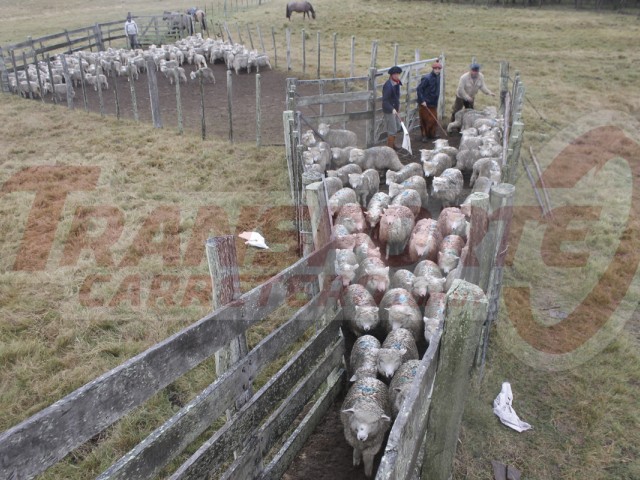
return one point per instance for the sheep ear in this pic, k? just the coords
(351, 410)
(352, 379)
(388, 309)
(397, 389)
(402, 351)
(386, 418)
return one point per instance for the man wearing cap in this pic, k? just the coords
(391, 105)
(428, 92)
(470, 83)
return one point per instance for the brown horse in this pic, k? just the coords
(301, 7)
(200, 18)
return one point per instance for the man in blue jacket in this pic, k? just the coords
(391, 105)
(428, 93)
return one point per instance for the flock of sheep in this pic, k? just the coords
(395, 315)
(95, 68)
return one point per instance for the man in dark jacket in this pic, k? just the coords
(391, 105)
(428, 93)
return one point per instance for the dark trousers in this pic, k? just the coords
(133, 41)
(428, 123)
(457, 106)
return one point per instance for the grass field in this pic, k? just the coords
(575, 64)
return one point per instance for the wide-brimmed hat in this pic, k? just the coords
(395, 69)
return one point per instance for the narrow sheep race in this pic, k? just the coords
(402, 249)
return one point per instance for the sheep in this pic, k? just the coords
(434, 314)
(364, 357)
(338, 137)
(448, 186)
(449, 253)
(401, 384)
(378, 203)
(332, 185)
(380, 158)
(340, 156)
(398, 347)
(396, 225)
(241, 62)
(345, 264)
(351, 216)
(403, 173)
(320, 155)
(398, 309)
(417, 183)
(204, 73)
(425, 240)
(410, 199)
(402, 279)
(364, 247)
(340, 199)
(308, 139)
(365, 184)
(366, 417)
(93, 80)
(437, 164)
(428, 279)
(343, 173)
(486, 167)
(451, 221)
(373, 275)
(360, 310)
(259, 60)
(60, 91)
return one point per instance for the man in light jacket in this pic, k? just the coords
(131, 31)
(469, 85)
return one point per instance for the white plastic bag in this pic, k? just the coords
(507, 415)
(406, 140)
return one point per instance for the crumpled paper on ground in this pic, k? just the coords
(253, 239)
(505, 412)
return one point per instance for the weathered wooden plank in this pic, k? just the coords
(249, 463)
(466, 311)
(219, 447)
(342, 117)
(165, 443)
(332, 81)
(333, 98)
(407, 434)
(297, 439)
(43, 439)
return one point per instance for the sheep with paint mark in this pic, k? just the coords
(351, 216)
(366, 418)
(449, 253)
(401, 384)
(434, 312)
(403, 173)
(410, 199)
(398, 347)
(376, 207)
(417, 183)
(343, 173)
(341, 198)
(428, 279)
(373, 274)
(398, 309)
(360, 310)
(364, 358)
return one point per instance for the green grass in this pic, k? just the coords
(575, 64)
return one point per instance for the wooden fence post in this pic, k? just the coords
(504, 84)
(153, 94)
(176, 75)
(304, 53)
(275, 50)
(261, 39)
(288, 40)
(318, 48)
(99, 86)
(480, 255)
(288, 122)
(335, 55)
(466, 311)
(374, 53)
(258, 111)
(441, 99)
(67, 79)
(203, 124)
(395, 53)
(53, 93)
(371, 124)
(117, 98)
(229, 103)
(134, 100)
(24, 63)
(353, 54)
(250, 37)
(84, 90)
(225, 283)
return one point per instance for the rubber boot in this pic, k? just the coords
(391, 142)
